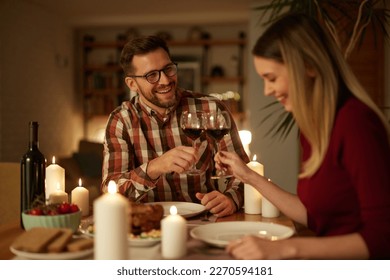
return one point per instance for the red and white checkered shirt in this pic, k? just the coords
(135, 134)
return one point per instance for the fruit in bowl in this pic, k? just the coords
(63, 215)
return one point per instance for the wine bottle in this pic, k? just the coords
(32, 173)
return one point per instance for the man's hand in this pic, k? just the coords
(178, 160)
(217, 203)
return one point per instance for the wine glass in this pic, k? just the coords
(218, 124)
(192, 124)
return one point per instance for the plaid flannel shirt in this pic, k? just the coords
(135, 134)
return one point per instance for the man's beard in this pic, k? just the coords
(153, 98)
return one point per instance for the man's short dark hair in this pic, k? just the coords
(140, 45)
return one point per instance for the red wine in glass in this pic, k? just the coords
(217, 134)
(192, 124)
(218, 124)
(193, 133)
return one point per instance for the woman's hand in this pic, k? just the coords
(233, 164)
(258, 248)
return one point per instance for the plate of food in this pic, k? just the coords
(184, 209)
(145, 225)
(143, 239)
(51, 244)
(220, 234)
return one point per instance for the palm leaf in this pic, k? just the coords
(282, 125)
(338, 13)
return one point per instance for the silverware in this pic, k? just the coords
(141, 195)
(206, 216)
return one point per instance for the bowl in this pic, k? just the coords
(70, 220)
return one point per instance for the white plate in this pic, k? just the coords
(144, 242)
(219, 234)
(184, 209)
(141, 242)
(53, 256)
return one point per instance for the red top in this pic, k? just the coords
(351, 190)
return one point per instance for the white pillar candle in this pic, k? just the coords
(55, 175)
(58, 196)
(174, 235)
(80, 197)
(111, 218)
(252, 197)
(268, 209)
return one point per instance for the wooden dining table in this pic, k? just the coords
(196, 249)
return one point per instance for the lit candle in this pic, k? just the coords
(174, 235)
(55, 175)
(111, 218)
(58, 196)
(252, 197)
(80, 197)
(268, 209)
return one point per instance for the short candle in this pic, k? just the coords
(111, 215)
(80, 197)
(174, 235)
(268, 209)
(58, 196)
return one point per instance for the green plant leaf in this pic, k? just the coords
(283, 124)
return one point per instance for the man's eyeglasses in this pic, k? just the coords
(154, 76)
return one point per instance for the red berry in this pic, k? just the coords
(52, 212)
(74, 208)
(64, 208)
(36, 212)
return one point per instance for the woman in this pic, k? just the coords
(343, 190)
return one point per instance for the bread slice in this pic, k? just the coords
(59, 244)
(36, 239)
(79, 244)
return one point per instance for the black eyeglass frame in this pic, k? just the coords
(147, 75)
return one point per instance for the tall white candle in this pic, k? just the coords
(55, 175)
(268, 209)
(111, 218)
(252, 197)
(174, 235)
(58, 196)
(80, 197)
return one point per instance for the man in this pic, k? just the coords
(144, 146)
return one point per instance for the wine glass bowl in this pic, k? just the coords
(217, 125)
(193, 125)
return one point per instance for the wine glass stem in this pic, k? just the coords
(219, 172)
(194, 146)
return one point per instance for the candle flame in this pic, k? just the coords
(254, 157)
(173, 210)
(112, 187)
(80, 183)
(53, 160)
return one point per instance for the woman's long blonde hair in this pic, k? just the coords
(317, 74)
